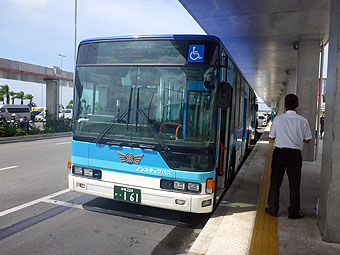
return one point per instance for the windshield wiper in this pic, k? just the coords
(157, 136)
(107, 129)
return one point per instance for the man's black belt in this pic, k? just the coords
(287, 149)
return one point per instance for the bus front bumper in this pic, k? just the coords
(194, 203)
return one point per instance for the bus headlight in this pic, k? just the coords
(194, 187)
(179, 185)
(78, 170)
(88, 172)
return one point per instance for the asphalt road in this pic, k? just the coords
(38, 215)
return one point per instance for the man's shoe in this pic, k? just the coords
(298, 216)
(267, 210)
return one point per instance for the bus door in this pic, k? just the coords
(245, 135)
(223, 148)
(227, 74)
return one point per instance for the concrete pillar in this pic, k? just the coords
(291, 85)
(52, 97)
(307, 89)
(280, 104)
(329, 205)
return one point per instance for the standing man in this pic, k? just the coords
(290, 131)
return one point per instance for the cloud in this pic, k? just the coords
(31, 8)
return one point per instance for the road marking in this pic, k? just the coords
(19, 207)
(6, 168)
(62, 203)
(62, 143)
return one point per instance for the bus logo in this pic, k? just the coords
(129, 158)
(196, 53)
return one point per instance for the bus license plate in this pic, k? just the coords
(127, 194)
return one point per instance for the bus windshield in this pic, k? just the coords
(165, 108)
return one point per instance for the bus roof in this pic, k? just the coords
(179, 36)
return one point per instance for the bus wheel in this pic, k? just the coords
(231, 169)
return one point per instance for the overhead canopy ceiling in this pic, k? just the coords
(259, 35)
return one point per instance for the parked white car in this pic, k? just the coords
(68, 114)
(61, 113)
(41, 116)
(7, 111)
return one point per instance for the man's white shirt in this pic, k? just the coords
(289, 130)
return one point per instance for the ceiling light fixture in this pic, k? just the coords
(296, 45)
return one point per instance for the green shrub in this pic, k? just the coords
(7, 131)
(54, 125)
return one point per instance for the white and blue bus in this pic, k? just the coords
(162, 121)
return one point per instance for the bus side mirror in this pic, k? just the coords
(209, 85)
(224, 95)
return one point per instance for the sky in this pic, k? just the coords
(36, 31)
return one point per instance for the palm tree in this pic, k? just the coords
(12, 94)
(20, 95)
(2, 98)
(70, 105)
(4, 90)
(29, 97)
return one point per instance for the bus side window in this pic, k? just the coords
(233, 101)
(237, 101)
(241, 103)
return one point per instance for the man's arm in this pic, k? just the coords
(273, 128)
(307, 141)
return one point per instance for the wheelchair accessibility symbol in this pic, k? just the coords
(196, 53)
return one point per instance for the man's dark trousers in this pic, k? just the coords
(290, 159)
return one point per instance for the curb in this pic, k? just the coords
(14, 139)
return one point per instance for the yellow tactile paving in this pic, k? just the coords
(265, 237)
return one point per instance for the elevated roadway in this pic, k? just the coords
(53, 77)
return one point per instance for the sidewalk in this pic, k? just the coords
(303, 236)
(240, 226)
